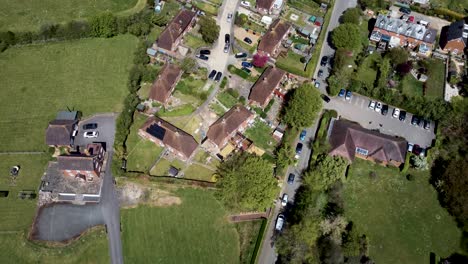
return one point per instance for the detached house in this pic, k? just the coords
(268, 7)
(454, 38)
(61, 131)
(270, 43)
(86, 165)
(162, 133)
(262, 91)
(171, 36)
(164, 85)
(233, 121)
(350, 140)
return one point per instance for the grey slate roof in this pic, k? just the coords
(455, 30)
(59, 132)
(405, 28)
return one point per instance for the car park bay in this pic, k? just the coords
(357, 109)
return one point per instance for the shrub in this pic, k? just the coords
(104, 25)
(232, 92)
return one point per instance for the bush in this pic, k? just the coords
(242, 100)
(452, 15)
(232, 92)
(104, 25)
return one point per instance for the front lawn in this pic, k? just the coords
(194, 41)
(434, 86)
(195, 231)
(402, 219)
(291, 63)
(205, 6)
(89, 75)
(226, 99)
(261, 134)
(217, 108)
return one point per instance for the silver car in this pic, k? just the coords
(378, 107)
(226, 48)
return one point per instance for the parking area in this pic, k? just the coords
(105, 128)
(434, 22)
(357, 109)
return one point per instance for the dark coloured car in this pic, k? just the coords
(402, 115)
(291, 178)
(218, 76)
(342, 93)
(246, 64)
(415, 120)
(325, 98)
(298, 149)
(349, 95)
(240, 55)
(417, 149)
(384, 110)
(205, 52)
(320, 73)
(247, 40)
(89, 126)
(227, 38)
(324, 61)
(212, 75)
(405, 10)
(202, 57)
(427, 124)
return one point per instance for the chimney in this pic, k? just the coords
(237, 109)
(223, 121)
(264, 79)
(177, 134)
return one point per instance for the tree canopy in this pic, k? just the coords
(104, 25)
(241, 20)
(208, 29)
(397, 56)
(347, 36)
(327, 170)
(303, 107)
(351, 15)
(246, 183)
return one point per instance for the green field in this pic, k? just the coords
(31, 14)
(195, 231)
(38, 80)
(402, 219)
(435, 83)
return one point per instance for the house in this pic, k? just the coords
(85, 166)
(175, 140)
(62, 130)
(350, 140)
(454, 38)
(233, 121)
(397, 32)
(262, 91)
(165, 84)
(269, 6)
(171, 36)
(270, 43)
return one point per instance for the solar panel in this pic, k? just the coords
(156, 131)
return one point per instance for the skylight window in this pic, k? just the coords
(362, 151)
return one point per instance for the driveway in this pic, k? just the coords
(106, 129)
(357, 110)
(434, 22)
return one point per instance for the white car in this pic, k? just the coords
(245, 3)
(284, 201)
(372, 105)
(229, 18)
(410, 147)
(279, 222)
(378, 107)
(91, 134)
(396, 113)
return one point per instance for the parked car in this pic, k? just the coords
(245, 3)
(218, 76)
(202, 57)
(247, 40)
(415, 120)
(417, 149)
(384, 110)
(349, 94)
(291, 178)
(91, 134)
(325, 98)
(372, 105)
(324, 61)
(298, 150)
(303, 135)
(226, 48)
(402, 116)
(205, 52)
(227, 38)
(89, 126)
(317, 84)
(246, 70)
(320, 73)
(246, 64)
(284, 200)
(229, 18)
(405, 10)
(396, 113)
(378, 107)
(427, 124)
(410, 147)
(423, 153)
(212, 75)
(240, 55)
(342, 93)
(279, 222)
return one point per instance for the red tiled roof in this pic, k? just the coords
(175, 29)
(265, 4)
(162, 86)
(266, 84)
(273, 37)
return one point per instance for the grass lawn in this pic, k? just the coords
(411, 86)
(226, 99)
(291, 63)
(434, 86)
(196, 231)
(248, 234)
(39, 80)
(182, 110)
(217, 108)
(162, 167)
(307, 6)
(250, 48)
(299, 22)
(403, 220)
(261, 134)
(198, 172)
(194, 41)
(367, 71)
(204, 6)
(30, 15)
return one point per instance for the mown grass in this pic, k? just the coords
(196, 231)
(402, 219)
(89, 75)
(198, 172)
(411, 86)
(182, 110)
(30, 14)
(226, 99)
(367, 71)
(291, 63)
(261, 134)
(205, 6)
(194, 41)
(435, 84)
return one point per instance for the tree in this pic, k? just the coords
(397, 56)
(104, 25)
(208, 29)
(139, 29)
(246, 183)
(259, 61)
(303, 107)
(404, 68)
(160, 19)
(347, 36)
(384, 70)
(419, 162)
(351, 15)
(334, 227)
(241, 20)
(188, 65)
(325, 172)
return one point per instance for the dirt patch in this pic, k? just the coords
(132, 194)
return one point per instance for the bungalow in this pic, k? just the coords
(233, 121)
(270, 43)
(350, 140)
(165, 84)
(262, 91)
(61, 131)
(269, 7)
(171, 36)
(162, 133)
(454, 38)
(85, 166)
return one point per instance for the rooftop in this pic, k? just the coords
(405, 28)
(273, 36)
(175, 29)
(266, 84)
(167, 79)
(55, 182)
